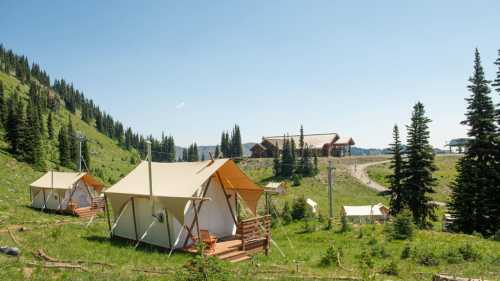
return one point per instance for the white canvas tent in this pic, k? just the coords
(312, 205)
(54, 190)
(367, 213)
(276, 187)
(186, 197)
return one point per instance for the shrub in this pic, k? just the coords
(406, 253)
(344, 224)
(453, 256)
(390, 268)
(202, 267)
(286, 213)
(299, 208)
(296, 180)
(360, 233)
(469, 253)
(309, 225)
(330, 258)
(365, 260)
(403, 226)
(427, 257)
(496, 236)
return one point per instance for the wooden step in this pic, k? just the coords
(232, 255)
(242, 258)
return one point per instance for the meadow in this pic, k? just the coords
(295, 255)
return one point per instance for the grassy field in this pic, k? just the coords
(445, 174)
(68, 238)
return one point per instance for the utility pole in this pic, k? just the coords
(330, 193)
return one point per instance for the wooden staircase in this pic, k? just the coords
(231, 251)
(95, 207)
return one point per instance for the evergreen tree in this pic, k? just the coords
(306, 164)
(72, 140)
(276, 163)
(217, 151)
(418, 181)
(85, 155)
(50, 126)
(15, 124)
(396, 179)
(301, 141)
(64, 147)
(3, 106)
(287, 164)
(236, 146)
(32, 139)
(475, 192)
(316, 166)
(184, 155)
(224, 145)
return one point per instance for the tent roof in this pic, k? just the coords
(65, 180)
(181, 179)
(344, 141)
(273, 184)
(368, 210)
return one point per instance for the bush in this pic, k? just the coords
(403, 227)
(427, 257)
(309, 225)
(299, 208)
(286, 214)
(330, 258)
(203, 268)
(406, 253)
(344, 224)
(496, 236)
(390, 268)
(453, 256)
(360, 234)
(469, 253)
(296, 180)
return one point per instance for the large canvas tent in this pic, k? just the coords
(367, 213)
(54, 190)
(167, 205)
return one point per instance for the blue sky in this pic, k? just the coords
(194, 68)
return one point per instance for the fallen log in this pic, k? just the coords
(443, 277)
(41, 254)
(58, 265)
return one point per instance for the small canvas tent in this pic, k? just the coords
(276, 187)
(368, 213)
(185, 197)
(55, 190)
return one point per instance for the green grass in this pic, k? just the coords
(445, 175)
(68, 238)
(73, 241)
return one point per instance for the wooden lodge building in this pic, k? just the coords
(320, 144)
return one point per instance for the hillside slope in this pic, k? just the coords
(109, 161)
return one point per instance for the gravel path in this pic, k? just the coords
(358, 171)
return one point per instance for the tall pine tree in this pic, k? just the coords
(64, 147)
(3, 106)
(418, 181)
(475, 192)
(50, 126)
(396, 178)
(85, 155)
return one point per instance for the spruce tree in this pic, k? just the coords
(50, 126)
(307, 168)
(32, 140)
(475, 192)
(396, 178)
(287, 162)
(236, 146)
(316, 165)
(16, 124)
(85, 155)
(63, 146)
(217, 151)
(184, 155)
(72, 140)
(418, 181)
(3, 106)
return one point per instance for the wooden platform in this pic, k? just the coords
(96, 206)
(229, 250)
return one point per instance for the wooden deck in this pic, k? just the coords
(229, 250)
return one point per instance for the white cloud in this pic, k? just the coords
(180, 105)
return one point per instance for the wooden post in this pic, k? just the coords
(168, 228)
(196, 220)
(133, 216)
(107, 214)
(227, 199)
(199, 207)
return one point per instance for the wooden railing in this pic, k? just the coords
(255, 232)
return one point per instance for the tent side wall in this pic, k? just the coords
(52, 196)
(214, 216)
